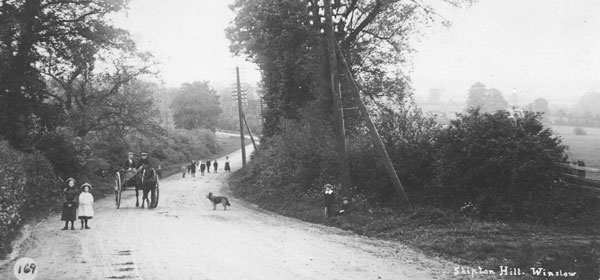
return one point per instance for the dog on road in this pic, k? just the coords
(218, 200)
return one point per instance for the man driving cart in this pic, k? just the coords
(138, 174)
(130, 169)
(143, 161)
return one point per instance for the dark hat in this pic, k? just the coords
(70, 179)
(86, 185)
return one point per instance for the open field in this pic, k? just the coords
(581, 147)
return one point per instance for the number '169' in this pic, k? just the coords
(27, 268)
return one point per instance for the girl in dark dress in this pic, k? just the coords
(227, 167)
(193, 169)
(202, 168)
(69, 211)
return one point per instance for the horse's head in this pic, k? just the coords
(146, 172)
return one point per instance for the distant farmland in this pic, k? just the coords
(581, 147)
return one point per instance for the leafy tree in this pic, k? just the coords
(289, 54)
(292, 56)
(35, 33)
(196, 106)
(96, 101)
(477, 96)
(540, 105)
(487, 100)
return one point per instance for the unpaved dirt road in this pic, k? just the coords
(185, 239)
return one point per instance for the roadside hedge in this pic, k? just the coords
(27, 184)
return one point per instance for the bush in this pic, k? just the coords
(27, 186)
(579, 131)
(296, 162)
(12, 186)
(503, 164)
(293, 164)
(408, 136)
(67, 153)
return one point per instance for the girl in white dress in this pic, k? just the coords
(85, 210)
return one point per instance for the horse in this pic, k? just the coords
(146, 181)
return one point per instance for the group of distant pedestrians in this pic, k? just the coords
(203, 166)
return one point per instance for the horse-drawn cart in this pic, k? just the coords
(146, 180)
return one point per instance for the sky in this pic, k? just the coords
(188, 39)
(536, 48)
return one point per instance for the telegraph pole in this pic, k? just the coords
(375, 137)
(334, 53)
(241, 115)
(338, 112)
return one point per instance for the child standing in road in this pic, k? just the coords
(85, 211)
(208, 166)
(227, 167)
(69, 211)
(202, 168)
(193, 169)
(216, 165)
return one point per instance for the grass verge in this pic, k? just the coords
(462, 239)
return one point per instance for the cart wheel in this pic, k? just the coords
(118, 189)
(156, 194)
